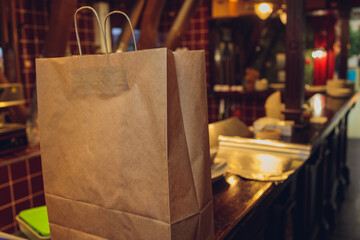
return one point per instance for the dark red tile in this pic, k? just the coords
(4, 178)
(72, 36)
(9, 230)
(39, 5)
(248, 112)
(37, 184)
(6, 217)
(30, 49)
(5, 196)
(91, 37)
(32, 77)
(32, 60)
(18, 170)
(27, 5)
(21, 190)
(28, 33)
(197, 25)
(82, 36)
(39, 200)
(41, 46)
(22, 64)
(35, 165)
(80, 23)
(28, 20)
(18, 16)
(260, 113)
(22, 206)
(17, 4)
(21, 50)
(16, 228)
(41, 34)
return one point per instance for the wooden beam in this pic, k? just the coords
(294, 86)
(344, 13)
(61, 22)
(150, 23)
(4, 10)
(124, 39)
(181, 23)
(344, 41)
(9, 40)
(4, 38)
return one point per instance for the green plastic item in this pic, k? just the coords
(37, 219)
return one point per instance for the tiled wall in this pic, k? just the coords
(21, 187)
(32, 17)
(33, 20)
(249, 106)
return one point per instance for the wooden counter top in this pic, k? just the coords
(233, 201)
(332, 108)
(235, 198)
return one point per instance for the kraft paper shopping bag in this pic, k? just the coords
(119, 152)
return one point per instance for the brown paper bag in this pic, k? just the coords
(191, 76)
(124, 156)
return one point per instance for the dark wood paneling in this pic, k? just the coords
(61, 22)
(294, 89)
(9, 40)
(344, 41)
(150, 23)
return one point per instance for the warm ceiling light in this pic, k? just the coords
(283, 16)
(263, 10)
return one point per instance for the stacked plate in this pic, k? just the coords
(34, 223)
(339, 88)
(218, 168)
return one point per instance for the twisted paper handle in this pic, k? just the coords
(76, 28)
(128, 19)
